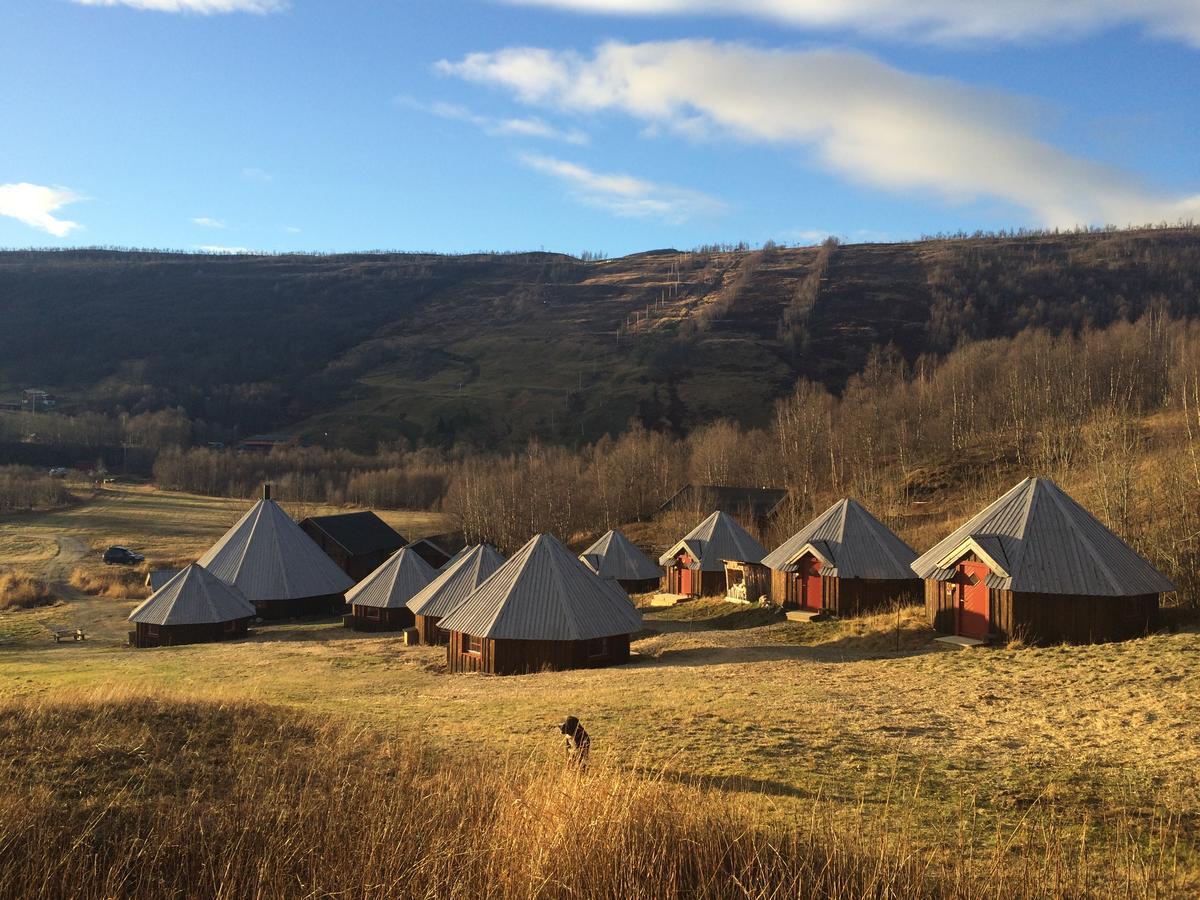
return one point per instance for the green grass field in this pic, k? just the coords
(1101, 743)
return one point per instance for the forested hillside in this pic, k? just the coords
(490, 350)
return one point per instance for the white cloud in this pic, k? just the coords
(947, 21)
(626, 195)
(206, 222)
(219, 248)
(871, 123)
(35, 205)
(253, 174)
(291, 229)
(530, 127)
(200, 7)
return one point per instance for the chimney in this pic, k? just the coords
(267, 491)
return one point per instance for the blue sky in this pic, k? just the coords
(602, 125)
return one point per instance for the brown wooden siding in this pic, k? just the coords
(508, 657)
(1050, 618)
(145, 635)
(644, 586)
(301, 607)
(428, 631)
(372, 618)
(847, 597)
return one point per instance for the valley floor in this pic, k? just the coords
(1100, 744)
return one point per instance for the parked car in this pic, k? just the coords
(58, 472)
(122, 556)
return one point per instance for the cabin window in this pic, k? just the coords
(598, 648)
(472, 644)
(372, 612)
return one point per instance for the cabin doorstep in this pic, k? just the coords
(1037, 566)
(845, 562)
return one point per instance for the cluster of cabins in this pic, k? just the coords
(1034, 564)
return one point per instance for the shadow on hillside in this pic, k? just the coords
(847, 648)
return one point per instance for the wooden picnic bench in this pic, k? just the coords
(68, 634)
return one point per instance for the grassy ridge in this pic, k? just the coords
(151, 796)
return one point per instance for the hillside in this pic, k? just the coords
(492, 349)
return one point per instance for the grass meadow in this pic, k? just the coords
(738, 754)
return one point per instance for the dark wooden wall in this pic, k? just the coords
(145, 635)
(509, 657)
(1051, 618)
(357, 566)
(847, 596)
(301, 607)
(373, 618)
(428, 631)
(644, 586)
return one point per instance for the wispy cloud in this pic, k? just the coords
(291, 229)
(198, 7)
(220, 248)
(35, 205)
(251, 173)
(206, 222)
(942, 21)
(626, 195)
(868, 121)
(529, 127)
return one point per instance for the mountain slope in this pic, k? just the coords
(493, 349)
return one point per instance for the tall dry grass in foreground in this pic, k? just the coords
(20, 590)
(135, 797)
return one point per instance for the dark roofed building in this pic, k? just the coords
(359, 542)
(1037, 565)
(750, 504)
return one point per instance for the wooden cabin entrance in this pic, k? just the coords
(973, 615)
(811, 589)
(685, 581)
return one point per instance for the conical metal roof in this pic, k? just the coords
(1036, 539)
(193, 597)
(268, 557)
(716, 539)
(615, 556)
(850, 542)
(544, 593)
(394, 583)
(456, 581)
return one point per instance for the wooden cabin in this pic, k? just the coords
(449, 588)
(1036, 565)
(358, 542)
(845, 562)
(437, 552)
(746, 582)
(276, 566)
(543, 609)
(696, 566)
(380, 601)
(757, 506)
(194, 607)
(614, 556)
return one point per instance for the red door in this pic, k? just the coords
(810, 584)
(685, 578)
(974, 614)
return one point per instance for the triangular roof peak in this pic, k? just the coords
(718, 538)
(193, 596)
(615, 556)
(456, 581)
(544, 593)
(394, 583)
(1037, 539)
(850, 542)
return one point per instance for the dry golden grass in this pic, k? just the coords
(130, 795)
(20, 590)
(117, 583)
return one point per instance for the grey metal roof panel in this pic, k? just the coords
(1052, 545)
(268, 557)
(456, 581)
(193, 597)
(615, 556)
(159, 577)
(394, 583)
(544, 593)
(716, 539)
(859, 545)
